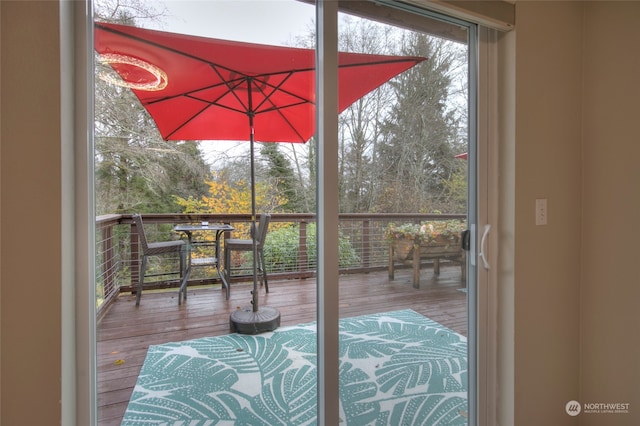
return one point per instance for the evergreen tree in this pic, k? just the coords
(419, 135)
(359, 125)
(281, 176)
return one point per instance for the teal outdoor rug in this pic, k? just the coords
(396, 368)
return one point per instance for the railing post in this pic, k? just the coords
(302, 248)
(135, 260)
(107, 249)
(366, 243)
(303, 261)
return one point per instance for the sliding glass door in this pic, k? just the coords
(405, 195)
(376, 202)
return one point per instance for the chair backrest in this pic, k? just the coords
(263, 226)
(137, 219)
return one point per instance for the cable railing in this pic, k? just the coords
(290, 248)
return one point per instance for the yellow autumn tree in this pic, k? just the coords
(232, 197)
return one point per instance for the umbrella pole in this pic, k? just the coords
(254, 293)
(254, 320)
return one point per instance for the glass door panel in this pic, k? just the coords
(235, 141)
(404, 206)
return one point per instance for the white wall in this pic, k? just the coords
(576, 143)
(30, 278)
(548, 104)
(610, 288)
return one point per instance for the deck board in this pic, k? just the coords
(125, 332)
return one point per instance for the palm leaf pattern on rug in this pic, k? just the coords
(396, 368)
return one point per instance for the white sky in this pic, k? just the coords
(255, 21)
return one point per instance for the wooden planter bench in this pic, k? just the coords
(409, 252)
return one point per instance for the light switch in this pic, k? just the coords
(541, 211)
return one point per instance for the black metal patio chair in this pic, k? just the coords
(155, 249)
(233, 244)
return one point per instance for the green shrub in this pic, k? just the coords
(281, 250)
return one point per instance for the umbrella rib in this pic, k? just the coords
(279, 109)
(188, 94)
(416, 59)
(230, 88)
(274, 89)
(185, 122)
(286, 120)
(276, 108)
(208, 104)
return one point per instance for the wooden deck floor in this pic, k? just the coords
(125, 332)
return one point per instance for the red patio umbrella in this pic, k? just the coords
(199, 88)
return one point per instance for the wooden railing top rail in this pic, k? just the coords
(277, 217)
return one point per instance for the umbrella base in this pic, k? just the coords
(245, 321)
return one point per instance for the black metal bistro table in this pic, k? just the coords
(189, 229)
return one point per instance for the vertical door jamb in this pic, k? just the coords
(327, 280)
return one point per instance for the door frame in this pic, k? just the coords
(82, 326)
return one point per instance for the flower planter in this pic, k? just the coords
(408, 249)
